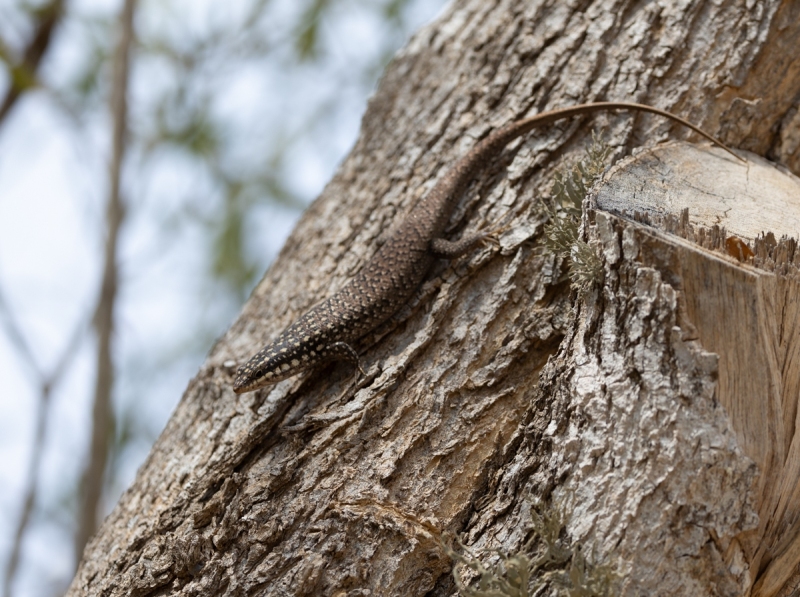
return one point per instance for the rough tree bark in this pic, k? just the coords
(496, 385)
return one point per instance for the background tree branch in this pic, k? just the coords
(102, 415)
(24, 71)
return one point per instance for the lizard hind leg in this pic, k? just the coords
(342, 351)
(450, 249)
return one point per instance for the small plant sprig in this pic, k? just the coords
(561, 233)
(546, 558)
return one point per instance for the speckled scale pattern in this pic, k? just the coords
(371, 297)
(388, 280)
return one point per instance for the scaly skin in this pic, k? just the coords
(386, 283)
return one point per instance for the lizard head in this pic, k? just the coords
(260, 371)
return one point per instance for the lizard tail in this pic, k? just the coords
(520, 127)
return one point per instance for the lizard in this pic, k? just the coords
(393, 274)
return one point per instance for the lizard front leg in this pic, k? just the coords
(342, 351)
(450, 249)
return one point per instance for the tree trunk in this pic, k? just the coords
(499, 388)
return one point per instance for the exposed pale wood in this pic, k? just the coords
(747, 199)
(492, 387)
(747, 315)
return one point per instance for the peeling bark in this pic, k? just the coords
(494, 386)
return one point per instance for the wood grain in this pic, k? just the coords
(746, 314)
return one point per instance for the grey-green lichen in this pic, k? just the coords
(546, 560)
(561, 233)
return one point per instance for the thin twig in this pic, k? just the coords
(46, 386)
(102, 416)
(17, 338)
(49, 18)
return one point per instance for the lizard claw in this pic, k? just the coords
(492, 238)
